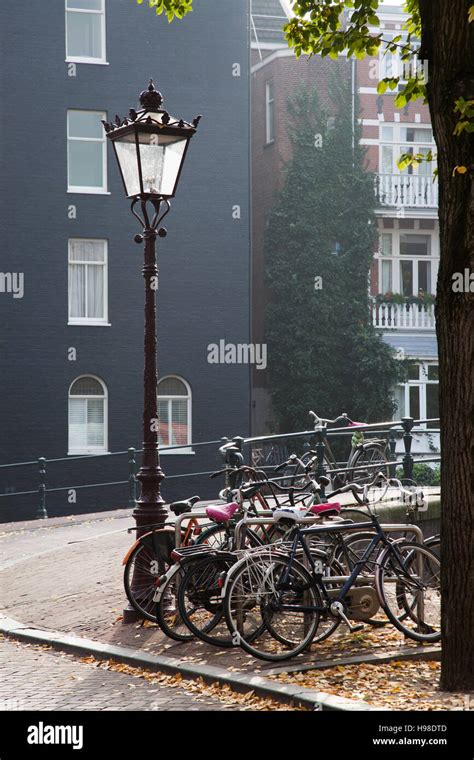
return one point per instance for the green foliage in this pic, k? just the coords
(172, 8)
(326, 27)
(323, 353)
(423, 474)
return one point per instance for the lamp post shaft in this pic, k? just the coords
(150, 509)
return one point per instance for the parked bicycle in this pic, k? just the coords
(368, 453)
(275, 599)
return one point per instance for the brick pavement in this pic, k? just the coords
(38, 679)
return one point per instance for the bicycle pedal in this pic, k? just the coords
(337, 609)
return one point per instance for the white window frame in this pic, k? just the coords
(421, 384)
(398, 145)
(86, 59)
(269, 108)
(91, 449)
(399, 68)
(91, 321)
(188, 448)
(80, 188)
(395, 258)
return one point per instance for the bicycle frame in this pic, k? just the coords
(379, 538)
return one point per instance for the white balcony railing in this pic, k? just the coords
(403, 316)
(410, 190)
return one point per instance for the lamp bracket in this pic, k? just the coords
(150, 223)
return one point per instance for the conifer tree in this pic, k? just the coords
(323, 352)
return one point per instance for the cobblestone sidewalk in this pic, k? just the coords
(37, 679)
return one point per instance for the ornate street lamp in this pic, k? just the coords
(150, 147)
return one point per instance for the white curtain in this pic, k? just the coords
(87, 279)
(86, 423)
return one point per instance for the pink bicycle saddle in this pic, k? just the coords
(325, 509)
(222, 512)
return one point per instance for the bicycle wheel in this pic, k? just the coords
(374, 458)
(265, 596)
(167, 612)
(200, 603)
(408, 584)
(434, 544)
(144, 566)
(222, 537)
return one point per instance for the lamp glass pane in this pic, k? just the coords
(161, 158)
(127, 158)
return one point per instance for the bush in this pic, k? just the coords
(423, 474)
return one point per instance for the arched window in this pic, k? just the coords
(87, 416)
(174, 412)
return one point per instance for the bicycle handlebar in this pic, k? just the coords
(322, 420)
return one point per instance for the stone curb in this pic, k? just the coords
(422, 653)
(241, 682)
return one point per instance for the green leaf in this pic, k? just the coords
(382, 87)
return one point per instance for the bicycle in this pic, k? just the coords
(371, 453)
(287, 599)
(199, 602)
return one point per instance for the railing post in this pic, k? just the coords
(320, 433)
(225, 440)
(41, 512)
(392, 446)
(407, 423)
(132, 481)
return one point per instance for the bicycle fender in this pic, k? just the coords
(138, 541)
(375, 444)
(166, 532)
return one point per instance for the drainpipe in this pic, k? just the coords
(353, 86)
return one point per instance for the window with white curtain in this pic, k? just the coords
(418, 397)
(174, 412)
(408, 262)
(396, 139)
(87, 275)
(85, 31)
(86, 152)
(87, 416)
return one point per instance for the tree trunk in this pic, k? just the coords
(448, 46)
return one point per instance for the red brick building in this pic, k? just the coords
(407, 254)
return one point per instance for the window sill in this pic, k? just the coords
(86, 191)
(88, 61)
(86, 452)
(87, 323)
(184, 450)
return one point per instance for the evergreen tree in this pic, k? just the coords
(323, 352)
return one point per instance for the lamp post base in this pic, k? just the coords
(130, 615)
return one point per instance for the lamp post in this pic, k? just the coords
(150, 147)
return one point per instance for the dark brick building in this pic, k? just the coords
(71, 348)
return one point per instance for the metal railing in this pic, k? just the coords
(392, 430)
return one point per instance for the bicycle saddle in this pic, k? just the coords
(222, 512)
(294, 514)
(180, 507)
(325, 509)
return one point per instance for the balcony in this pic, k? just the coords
(390, 316)
(406, 190)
